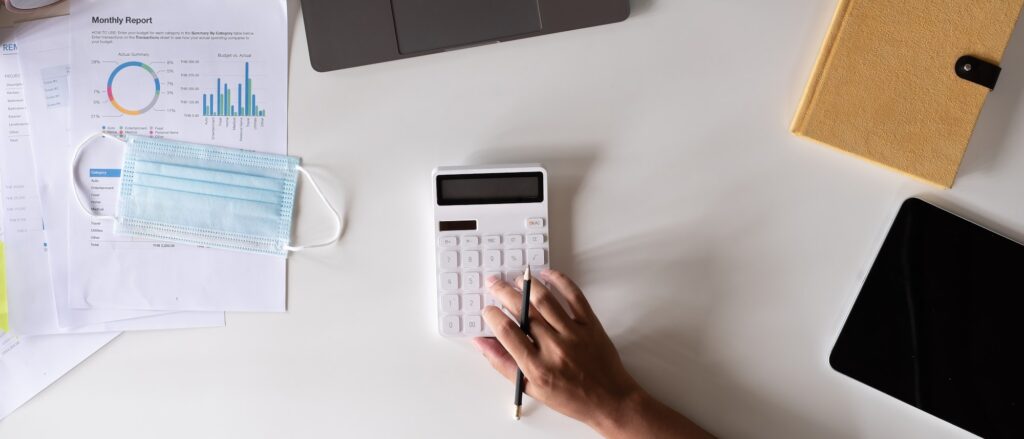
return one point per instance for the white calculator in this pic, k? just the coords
(488, 221)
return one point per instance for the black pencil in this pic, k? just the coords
(524, 324)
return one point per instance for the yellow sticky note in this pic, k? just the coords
(3, 291)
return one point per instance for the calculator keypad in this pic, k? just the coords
(514, 258)
(471, 259)
(474, 325)
(536, 256)
(471, 281)
(449, 281)
(492, 258)
(449, 259)
(450, 303)
(467, 260)
(514, 240)
(451, 325)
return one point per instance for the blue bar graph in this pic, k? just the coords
(244, 104)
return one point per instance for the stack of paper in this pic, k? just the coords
(68, 285)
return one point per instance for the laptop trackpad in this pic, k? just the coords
(424, 25)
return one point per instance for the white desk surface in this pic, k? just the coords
(721, 251)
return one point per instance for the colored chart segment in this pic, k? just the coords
(110, 88)
(220, 103)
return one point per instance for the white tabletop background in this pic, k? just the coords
(722, 252)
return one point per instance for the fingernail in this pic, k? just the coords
(491, 280)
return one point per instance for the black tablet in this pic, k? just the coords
(939, 322)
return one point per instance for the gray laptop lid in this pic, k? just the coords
(350, 33)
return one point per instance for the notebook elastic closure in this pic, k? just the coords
(977, 71)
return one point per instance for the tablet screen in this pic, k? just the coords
(939, 322)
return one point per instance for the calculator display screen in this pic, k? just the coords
(464, 189)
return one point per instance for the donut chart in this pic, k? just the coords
(110, 88)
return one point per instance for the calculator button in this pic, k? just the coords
(471, 259)
(488, 275)
(534, 223)
(514, 258)
(511, 276)
(490, 300)
(471, 281)
(448, 241)
(537, 256)
(471, 303)
(492, 240)
(449, 281)
(450, 303)
(514, 239)
(535, 239)
(450, 325)
(474, 325)
(471, 241)
(450, 259)
(492, 258)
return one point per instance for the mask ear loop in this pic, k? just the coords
(75, 188)
(339, 223)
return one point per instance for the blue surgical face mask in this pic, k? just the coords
(207, 195)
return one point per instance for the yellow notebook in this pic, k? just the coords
(892, 83)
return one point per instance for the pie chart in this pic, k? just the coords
(133, 88)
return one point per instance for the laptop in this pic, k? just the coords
(350, 33)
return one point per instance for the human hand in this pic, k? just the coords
(571, 364)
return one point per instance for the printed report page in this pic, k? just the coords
(33, 305)
(198, 71)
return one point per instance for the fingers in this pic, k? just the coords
(578, 304)
(499, 358)
(546, 302)
(512, 299)
(511, 337)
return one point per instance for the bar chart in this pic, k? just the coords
(239, 101)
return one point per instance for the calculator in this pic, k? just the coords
(488, 221)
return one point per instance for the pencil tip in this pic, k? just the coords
(526, 274)
(518, 411)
